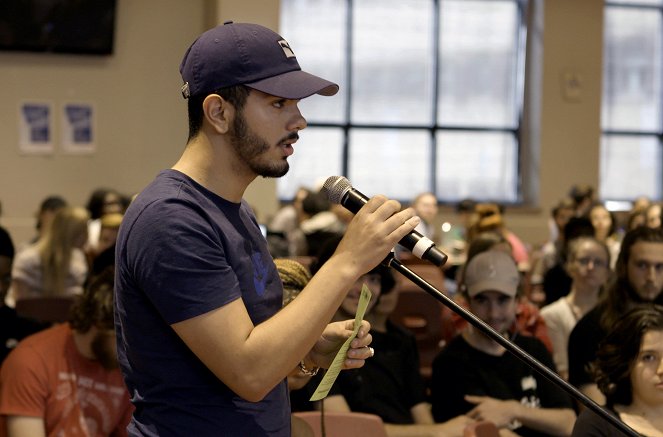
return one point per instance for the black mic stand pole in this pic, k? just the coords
(392, 262)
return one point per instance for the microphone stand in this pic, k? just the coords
(392, 262)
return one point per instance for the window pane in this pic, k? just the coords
(315, 29)
(478, 165)
(478, 70)
(630, 167)
(318, 155)
(636, 2)
(391, 162)
(632, 69)
(392, 62)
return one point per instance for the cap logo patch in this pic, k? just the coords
(286, 49)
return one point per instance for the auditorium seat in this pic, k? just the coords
(337, 424)
(430, 322)
(51, 309)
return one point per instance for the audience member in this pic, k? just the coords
(641, 202)
(102, 201)
(425, 206)
(12, 327)
(639, 278)
(65, 381)
(588, 265)
(105, 255)
(636, 217)
(549, 254)
(389, 384)
(528, 320)
(282, 228)
(319, 223)
(605, 229)
(47, 209)
(56, 264)
(627, 370)
(583, 198)
(556, 281)
(476, 376)
(490, 218)
(653, 215)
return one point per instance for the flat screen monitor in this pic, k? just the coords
(58, 26)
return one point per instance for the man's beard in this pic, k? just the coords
(103, 351)
(250, 147)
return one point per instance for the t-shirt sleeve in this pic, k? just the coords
(589, 424)
(23, 384)
(583, 342)
(176, 249)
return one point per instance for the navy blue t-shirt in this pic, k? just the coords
(183, 251)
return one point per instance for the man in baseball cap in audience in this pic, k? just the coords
(478, 377)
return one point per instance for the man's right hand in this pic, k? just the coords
(373, 232)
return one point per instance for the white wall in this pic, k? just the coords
(140, 114)
(141, 117)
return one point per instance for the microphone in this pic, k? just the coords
(339, 190)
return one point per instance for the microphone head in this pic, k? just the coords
(335, 187)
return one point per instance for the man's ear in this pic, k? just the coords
(218, 112)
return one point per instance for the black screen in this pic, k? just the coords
(59, 26)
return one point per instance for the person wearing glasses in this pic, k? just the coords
(638, 279)
(587, 263)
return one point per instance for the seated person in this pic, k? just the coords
(628, 372)
(55, 265)
(528, 320)
(476, 376)
(588, 265)
(12, 327)
(65, 381)
(389, 384)
(639, 279)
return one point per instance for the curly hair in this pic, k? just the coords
(95, 306)
(294, 276)
(619, 350)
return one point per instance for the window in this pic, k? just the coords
(431, 96)
(631, 161)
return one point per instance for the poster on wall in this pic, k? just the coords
(78, 128)
(36, 127)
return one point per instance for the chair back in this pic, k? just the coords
(337, 424)
(51, 309)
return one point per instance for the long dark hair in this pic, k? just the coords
(620, 294)
(619, 350)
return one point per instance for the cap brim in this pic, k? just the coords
(491, 285)
(295, 85)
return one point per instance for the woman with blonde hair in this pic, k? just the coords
(56, 264)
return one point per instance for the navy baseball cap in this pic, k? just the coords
(251, 55)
